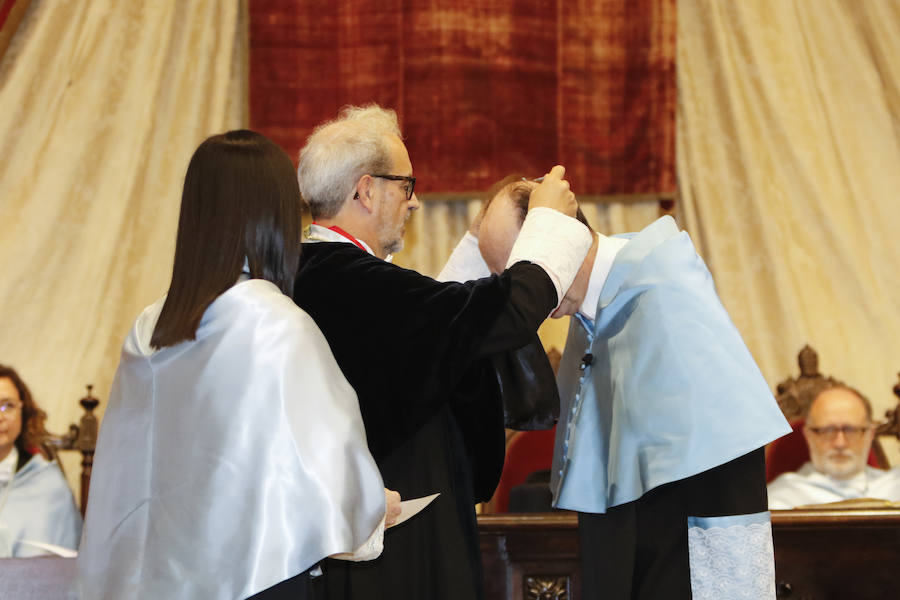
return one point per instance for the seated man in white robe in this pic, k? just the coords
(839, 432)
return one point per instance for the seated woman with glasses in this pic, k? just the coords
(232, 457)
(37, 510)
(839, 432)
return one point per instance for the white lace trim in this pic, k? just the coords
(735, 562)
(370, 549)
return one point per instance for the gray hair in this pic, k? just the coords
(339, 152)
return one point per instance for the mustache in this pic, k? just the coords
(833, 454)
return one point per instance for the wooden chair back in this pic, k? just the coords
(891, 425)
(81, 437)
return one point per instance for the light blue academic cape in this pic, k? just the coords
(672, 390)
(39, 507)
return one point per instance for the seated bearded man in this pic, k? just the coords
(839, 432)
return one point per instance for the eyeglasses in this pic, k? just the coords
(8, 408)
(407, 178)
(852, 433)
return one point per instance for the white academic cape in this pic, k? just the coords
(37, 506)
(809, 486)
(229, 463)
(668, 390)
(661, 387)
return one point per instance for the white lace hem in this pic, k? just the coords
(369, 550)
(735, 562)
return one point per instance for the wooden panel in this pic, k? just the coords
(849, 554)
(837, 554)
(530, 556)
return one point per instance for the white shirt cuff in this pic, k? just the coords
(465, 263)
(556, 242)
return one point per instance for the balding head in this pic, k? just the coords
(505, 208)
(839, 432)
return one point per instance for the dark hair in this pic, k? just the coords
(240, 199)
(33, 432)
(519, 191)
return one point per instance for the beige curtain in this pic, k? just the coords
(789, 170)
(101, 105)
(437, 226)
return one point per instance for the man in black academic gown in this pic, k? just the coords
(419, 352)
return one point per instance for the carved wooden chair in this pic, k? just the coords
(526, 453)
(81, 437)
(795, 395)
(891, 425)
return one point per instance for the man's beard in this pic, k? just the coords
(841, 469)
(392, 246)
(391, 240)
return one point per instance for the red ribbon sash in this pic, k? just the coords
(340, 231)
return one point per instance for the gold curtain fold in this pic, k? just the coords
(101, 106)
(788, 158)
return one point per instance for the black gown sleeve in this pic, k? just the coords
(524, 377)
(405, 341)
(532, 296)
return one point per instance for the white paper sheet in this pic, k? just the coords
(410, 508)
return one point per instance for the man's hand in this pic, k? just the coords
(554, 192)
(392, 507)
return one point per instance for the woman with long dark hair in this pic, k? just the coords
(232, 456)
(37, 509)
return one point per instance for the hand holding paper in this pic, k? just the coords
(391, 507)
(410, 508)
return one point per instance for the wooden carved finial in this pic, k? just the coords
(891, 424)
(897, 387)
(88, 426)
(89, 402)
(796, 394)
(808, 361)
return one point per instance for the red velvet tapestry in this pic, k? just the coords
(483, 87)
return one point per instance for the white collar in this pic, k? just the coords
(8, 465)
(607, 249)
(317, 233)
(855, 486)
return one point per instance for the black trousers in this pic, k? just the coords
(300, 587)
(639, 550)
